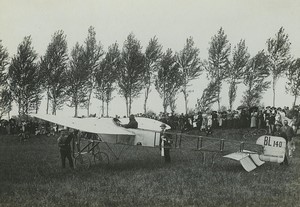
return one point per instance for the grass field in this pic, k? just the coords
(31, 175)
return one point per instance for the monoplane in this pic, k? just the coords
(94, 131)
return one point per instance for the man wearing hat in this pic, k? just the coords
(278, 130)
(288, 130)
(132, 123)
(165, 143)
(280, 133)
(64, 145)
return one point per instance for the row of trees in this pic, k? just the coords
(276, 61)
(73, 79)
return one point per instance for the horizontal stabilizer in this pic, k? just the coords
(248, 164)
(256, 159)
(236, 156)
(244, 158)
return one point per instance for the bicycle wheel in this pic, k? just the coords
(248, 136)
(262, 132)
(259, 132)
(101, 158)
(83, 161)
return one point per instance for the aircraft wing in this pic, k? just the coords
(92, 125)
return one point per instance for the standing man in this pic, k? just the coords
(64, 144)
(280, 133)
(199, 121)
(289, 136)
(165, 143)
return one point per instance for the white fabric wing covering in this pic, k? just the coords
(92, 125)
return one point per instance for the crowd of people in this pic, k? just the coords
(253, 117)
(25, 127)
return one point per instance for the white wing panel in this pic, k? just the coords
(92, 125)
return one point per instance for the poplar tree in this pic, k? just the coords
(4, 61)
(93, 52)
(236, 69)
(169, 80)
(279, 57)
(255, 75)
(5, 94)
(131, 71)
(209, 96)
(54, 71)
(5, 102)
(293, 76)
(218, 60)
(106, 76)
(77, 79)
(23, 77)
(190, 66)
(152, 56)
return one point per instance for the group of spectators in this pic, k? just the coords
(244, 117)
(24, 128)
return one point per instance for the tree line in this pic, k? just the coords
(73, 78)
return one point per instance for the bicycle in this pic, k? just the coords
(254, 134)
(90, 155)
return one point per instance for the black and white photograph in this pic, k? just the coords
(150, 103)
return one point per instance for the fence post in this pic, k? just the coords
(242, 146)
(221, 145)
(199, 143)
(180, 137)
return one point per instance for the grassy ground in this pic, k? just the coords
(30, 175)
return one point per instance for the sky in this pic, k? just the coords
(171, 21)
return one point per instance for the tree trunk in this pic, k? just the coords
(36, 107)
(165, 105)
(129, 109)
(107, 108)
(219, 100)
(274, 84)
(295, 99)
(47, 107)
(232, 89)
(185, 101)
(126, 100)
(88, 104)
(19, 107)
(76, 109)
(54, 107)
(102, 108)
(146, 99)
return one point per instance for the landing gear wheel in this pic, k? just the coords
(83, 161)
(101, 158)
